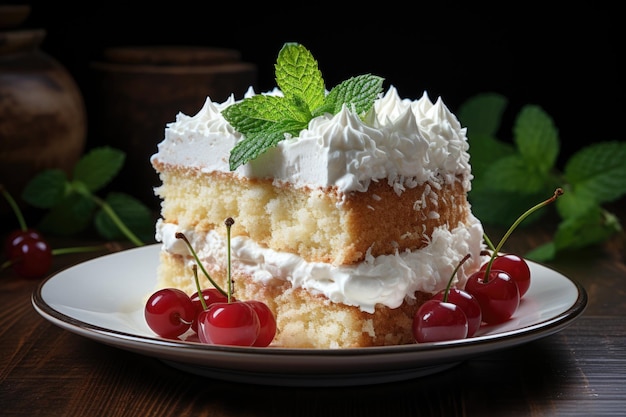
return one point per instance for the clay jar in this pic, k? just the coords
(42, 114)
(139, 90)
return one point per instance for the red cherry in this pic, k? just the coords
(30, 257)
(468, 303)
(169, 312)
(516, 267)
(226, 321)
(267, 322)
(210, 295)
(17, 236)
(234, 323)
(498, 295)
(437, 321)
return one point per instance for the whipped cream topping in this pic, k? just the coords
(405, 142)
(386, 279)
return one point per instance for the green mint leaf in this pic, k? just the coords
(46, 189)
(79, 187)
(298, 76)
(513, 173)
(258, 142)
(357, 93)
(261, 112)
(536, 138)
(482, 114)
(136, 216)
(69, 216)
(506, 178)
(575, 203)
(502, 208)
(97, 168)
(592, 227)
(598, 171)
(484, 149)
(265, 120)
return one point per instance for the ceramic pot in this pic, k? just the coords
(138, 90)
(43, 123)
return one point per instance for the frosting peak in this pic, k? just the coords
(402, 141)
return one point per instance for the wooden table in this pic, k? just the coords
(581, 370)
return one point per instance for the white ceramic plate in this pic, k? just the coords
(103, 299)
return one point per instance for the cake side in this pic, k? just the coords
(319, 226)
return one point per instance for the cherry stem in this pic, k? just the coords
(118, 222)
(489, 242)
(7, 263)
(79, 249)
(229, 222)
(557, 193)
(181, 236)
(15, 207)
(113, 216)
(456, 269)
(194, 268)
(70, 250)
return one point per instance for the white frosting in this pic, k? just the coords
(386, 279)
(401, 141)
(405, 142)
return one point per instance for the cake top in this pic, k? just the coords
(345, 144)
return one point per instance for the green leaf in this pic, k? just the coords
(536, 138)
(70, 216)
(298, 75)
(357, 93)
(598, 171)
(482, 114)
(79, 187)
(574, 203)
(254, 144)
(506, 178)
(513, 174)
(502, 208)
(265, 120)
(136, 216)
(97, 168)
(484, 149)
(46, 189)
(594, 226)
(261, 112)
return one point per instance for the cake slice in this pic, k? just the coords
(343, 227)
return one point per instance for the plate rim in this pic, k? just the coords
(189, 352)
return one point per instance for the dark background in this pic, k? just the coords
(568, 60)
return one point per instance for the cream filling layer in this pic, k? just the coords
(385, 279)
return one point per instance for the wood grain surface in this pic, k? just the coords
(579, 371)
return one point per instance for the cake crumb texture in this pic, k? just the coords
(318, 225)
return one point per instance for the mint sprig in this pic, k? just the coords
(508, 175)
(265, 120)
(72, 204)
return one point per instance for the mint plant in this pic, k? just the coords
(509, 175)
(72, 203)
(265, 120)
